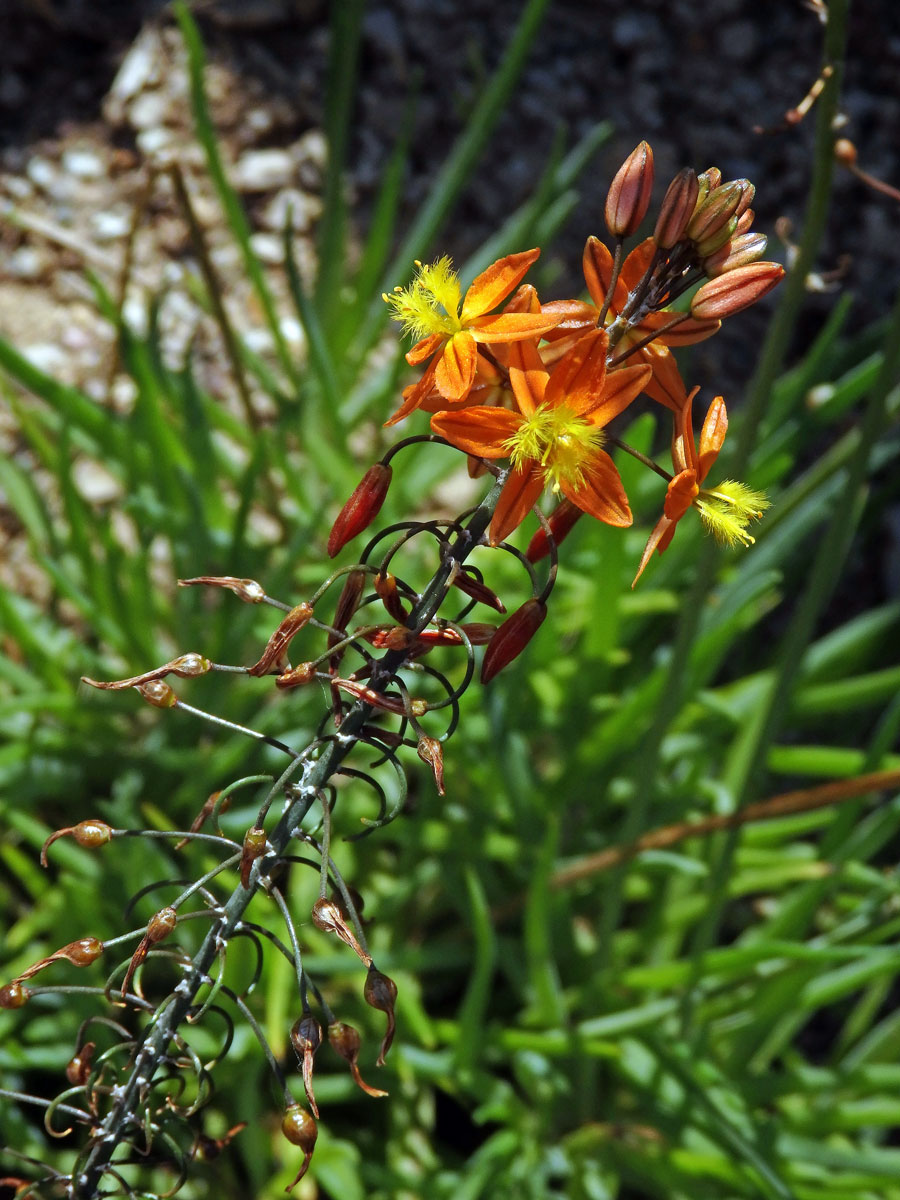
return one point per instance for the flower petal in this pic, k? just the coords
(684, 453)
(415, 394)
(520, 493)
(666, 386)
(492, 285)
(527, 376)
(712, 435)
(680, 494)
(512, 327)
(662, 530)
(601, 493)
(621, 387)
(577, 379)
(422, 349)
(637, 263)
(480, 431)
(455, 372)
(576, 316)
(597, 264)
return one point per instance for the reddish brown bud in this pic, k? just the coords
(274, 658)
(629, 193)
(247, 590)
(431, 751)
(328, 917)
(13, 995)
(306, 1038)
(86, 833)
(735, 290)
(740, 251)
(348, 602)
(512, 637)
(254, 847)
(478, 591)
(78, 1068)
(157, 693)
(361, 509)
(386, 588)
(300, 1130)
(345, 1040)
(562, 521)
(676, 209)
(381, 992)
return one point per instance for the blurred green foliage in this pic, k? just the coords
(716, 1019)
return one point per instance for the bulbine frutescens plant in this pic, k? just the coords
(527, 393)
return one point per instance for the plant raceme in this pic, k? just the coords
(528, 391)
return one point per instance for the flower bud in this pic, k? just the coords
(361, 509)
(741, 250)
(13, 995)
(255, 842)
(629, 193)
(300, 1130)
(158, 693)
(431, 751)
(562, 521)
(478, 590)
(738, 289)
(676, 209)
(715, 211)
(381, 992)
(512, 637)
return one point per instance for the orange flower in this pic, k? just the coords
(725, 511)
(449, 327)
(557, 434)
(576, 316)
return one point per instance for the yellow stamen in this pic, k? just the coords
(559, 441)
(431, 302)
(727, 510)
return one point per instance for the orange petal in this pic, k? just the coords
(578, 378)
(662, 530)
(621, 387)
(520, 493)
(484, 432)
(636, 265)
(527, 376)
(680, 494)
(666, 386)
(712, 435)
(424, 348)
(597, 264)
(601, 493)
(576, 316)
(455, 372)
(492, 285)
(512, 327)
(525, 300)
(684, 453)
(414, 395)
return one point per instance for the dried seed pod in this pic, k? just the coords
(13, 995)
(297, 676)
(346, 1041)
(306, 1038)
(512, 637)
(629, 193)
(89, 834)
(391, 704)
(676, 209)
(255, 842)
(381, 992)
(386, 587)
(78, 1068)
(328, 917)
(361, 508)
(274, 658)
(738, 289)
(348, 602)
(157, 693)
(160, 926)
(247, 590)
(80, 953)
(562, 521)
(431, 751)
(300, 1130)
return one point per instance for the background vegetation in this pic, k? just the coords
(711, 1018)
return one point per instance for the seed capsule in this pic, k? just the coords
(381, 992)
(13, 995)
(300, 1130)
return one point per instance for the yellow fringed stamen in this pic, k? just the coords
(431, 303)
(557, 439)
(728, 509)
